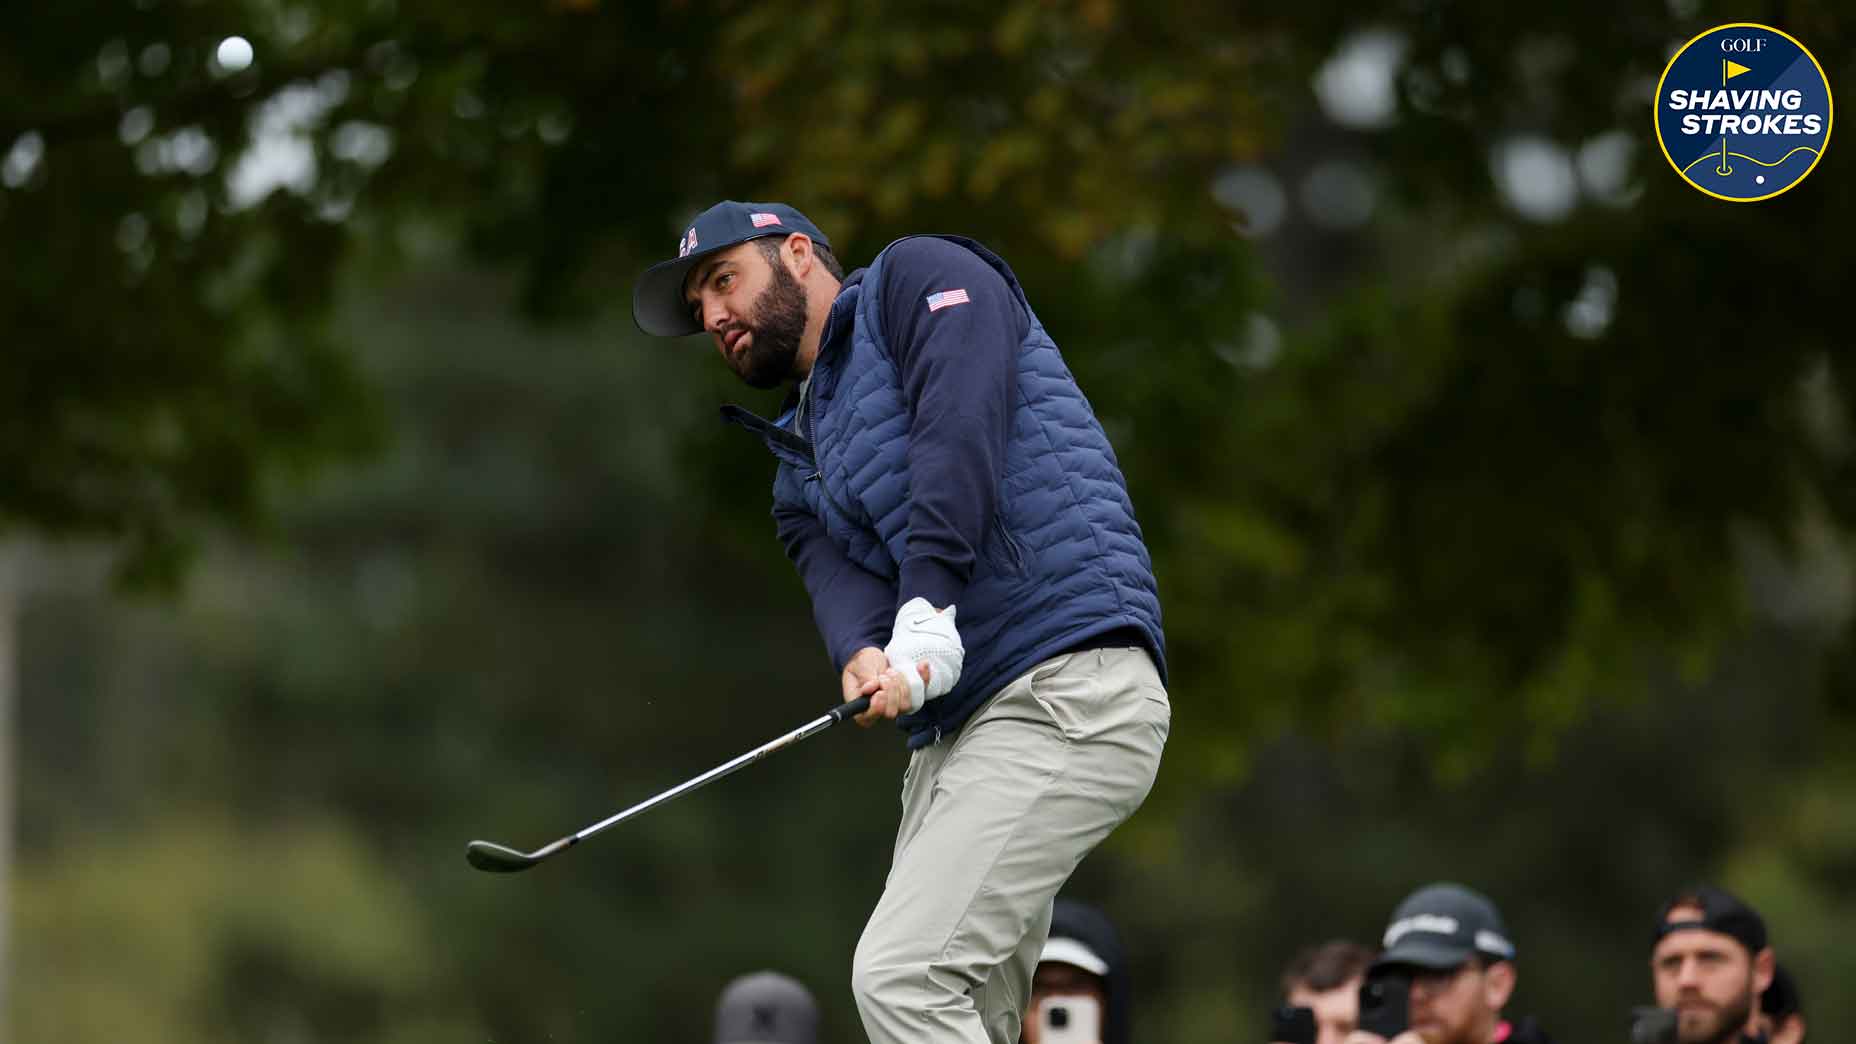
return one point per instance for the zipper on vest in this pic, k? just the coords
(809, 417)
(810, 420)
(1012, 550)
(825, 492)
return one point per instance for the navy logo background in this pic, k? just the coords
(1757, 165)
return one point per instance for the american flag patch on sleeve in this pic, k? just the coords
(945, 298)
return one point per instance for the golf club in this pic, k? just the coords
(501, 859)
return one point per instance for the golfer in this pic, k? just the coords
(964, 532)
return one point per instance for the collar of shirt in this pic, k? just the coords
(799, 406)
(834, 338)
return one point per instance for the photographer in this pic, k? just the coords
(1446, 974)
(1080, 993)
(1326, 980)
(1710, 964)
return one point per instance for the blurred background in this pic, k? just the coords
(1499, 486)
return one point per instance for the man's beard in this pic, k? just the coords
(1715, 1025)
(1435, 1033)
(777, 325)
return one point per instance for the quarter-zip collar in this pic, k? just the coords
(835, 338)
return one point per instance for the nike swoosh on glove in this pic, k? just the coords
(925, 636)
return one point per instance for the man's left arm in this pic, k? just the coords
(954, 327)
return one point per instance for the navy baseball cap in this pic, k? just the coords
(658, 306)
(1440, 926)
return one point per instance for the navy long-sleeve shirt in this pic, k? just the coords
(958, 361)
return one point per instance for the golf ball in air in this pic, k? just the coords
(234, 53)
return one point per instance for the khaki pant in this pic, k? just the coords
(993, 823)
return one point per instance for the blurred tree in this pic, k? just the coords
(1333, 526)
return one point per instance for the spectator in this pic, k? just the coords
(1449, 941)
(1709, 965)
(1082, 958)
(766, 1008)
(1326, 980)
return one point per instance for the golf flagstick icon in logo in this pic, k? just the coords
(1729, 70)
(1743, 112)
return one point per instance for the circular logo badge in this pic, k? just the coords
(1743, 112)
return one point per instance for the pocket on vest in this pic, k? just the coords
(1002, 549)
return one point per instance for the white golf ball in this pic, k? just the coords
(234, 53)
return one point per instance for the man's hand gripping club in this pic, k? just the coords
(921, 663)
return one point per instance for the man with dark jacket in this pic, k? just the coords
(963, 529)
(1082, 972)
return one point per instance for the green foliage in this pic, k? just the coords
(1341, 500)
(166, 353)
(190, 929)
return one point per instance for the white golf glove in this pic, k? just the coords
(925, 636)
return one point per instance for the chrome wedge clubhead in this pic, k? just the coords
(497, 859)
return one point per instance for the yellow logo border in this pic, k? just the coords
(1656, 107)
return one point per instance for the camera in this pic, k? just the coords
(1292, 1025)
(1385, 1002)
(1652, 1026)
(1069, 1020)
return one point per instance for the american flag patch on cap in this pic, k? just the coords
(941, 300)
(763, 219)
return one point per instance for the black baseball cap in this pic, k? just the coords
(1721, 911)
(1781, 999)
(657, 299)
(1441, 926)
(766, 1008)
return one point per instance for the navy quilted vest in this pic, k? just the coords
(1063, 561)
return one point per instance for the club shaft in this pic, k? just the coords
(810, 728)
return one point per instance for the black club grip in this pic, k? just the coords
(846, 711)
